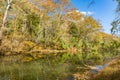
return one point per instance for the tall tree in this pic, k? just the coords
(8, 2)
(116, 23)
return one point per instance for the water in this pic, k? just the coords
(47, 68)
(59, 66)
(98, 68)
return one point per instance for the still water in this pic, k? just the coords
(21, 67)
(60, 66)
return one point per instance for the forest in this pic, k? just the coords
(53, 40)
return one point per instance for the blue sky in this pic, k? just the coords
(103, 11)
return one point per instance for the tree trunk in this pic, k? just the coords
(4, 20)
(0, 35)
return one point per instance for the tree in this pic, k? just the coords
(4, 18)
(35, 21)
(116, 23)
(83, 26)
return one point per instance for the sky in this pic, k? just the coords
(101, 10)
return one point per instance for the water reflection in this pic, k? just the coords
(47, 68)
(60, 66)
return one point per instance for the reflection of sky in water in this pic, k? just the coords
(10, 16)
(98, 68)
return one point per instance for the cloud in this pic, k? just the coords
(83, 12)
(90, 13)
(87, 13)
